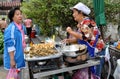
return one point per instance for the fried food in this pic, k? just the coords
(42, 49)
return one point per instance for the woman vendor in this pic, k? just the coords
(87, 33)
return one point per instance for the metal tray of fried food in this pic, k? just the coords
(35, 57)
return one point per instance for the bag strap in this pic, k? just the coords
(89, 73)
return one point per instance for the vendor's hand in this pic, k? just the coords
(12, 63)
(68, 29)
(65, 41)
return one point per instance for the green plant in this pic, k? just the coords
(1, 48)
(1, 43)
(50, 13)
(1, 61)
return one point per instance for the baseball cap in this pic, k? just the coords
(82, 7)
(28, 22)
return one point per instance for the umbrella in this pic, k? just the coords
(99, 12)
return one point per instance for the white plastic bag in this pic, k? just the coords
(117, 70)
(107, 54)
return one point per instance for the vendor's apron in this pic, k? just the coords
(90, 49)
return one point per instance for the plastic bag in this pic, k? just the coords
(12, 74)
(83, 74)
(107, 54)
(116, 73)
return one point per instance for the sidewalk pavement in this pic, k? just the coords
(3, 72)
(25, 73)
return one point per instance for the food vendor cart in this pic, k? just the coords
(42, 66)
(54, 69)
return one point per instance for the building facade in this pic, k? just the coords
(6, 5)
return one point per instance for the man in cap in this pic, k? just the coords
(28, 24)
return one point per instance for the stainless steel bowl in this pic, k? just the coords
(70, 48)
(74, 50)
(71, 54)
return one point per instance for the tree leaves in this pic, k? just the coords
(1, 43)
(50, 13)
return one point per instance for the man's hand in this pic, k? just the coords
(65, 41)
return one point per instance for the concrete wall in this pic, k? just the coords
(112, 30)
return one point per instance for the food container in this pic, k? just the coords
(26, 39)
(75, 53)
(118, 45)
(70, 48)
(74, 50)
(32, 35)
(26, 50)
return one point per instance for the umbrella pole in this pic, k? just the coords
(101, 30)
